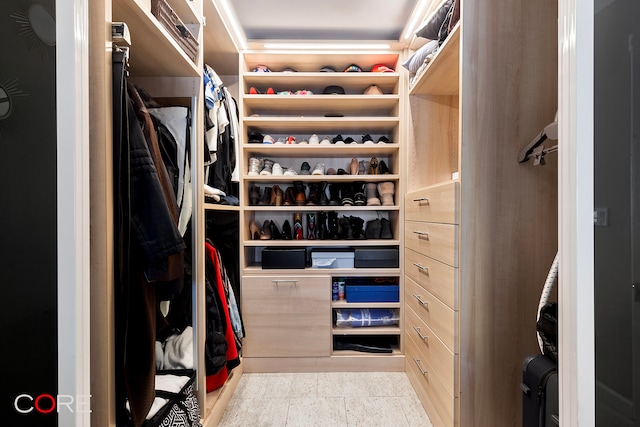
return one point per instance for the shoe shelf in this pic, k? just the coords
(332, 151)
(320, 178)
(321, 105)
(323, 243)
(353, 83)
(149, 37)
(316, 208)
(332, 125)
(257, 270)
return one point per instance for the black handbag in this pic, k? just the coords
(182, 408)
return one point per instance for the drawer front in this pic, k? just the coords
(437, 241)
(441, 319)
(286, 316)
(440, 357)
(434, 204)
(438, 278)
(419, 369)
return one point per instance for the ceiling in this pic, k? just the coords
(324, 19)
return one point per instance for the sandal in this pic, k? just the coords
(373, 166)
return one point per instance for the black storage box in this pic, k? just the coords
(377, 258)
(284, 258)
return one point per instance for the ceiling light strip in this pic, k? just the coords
(416, 18)
(327, 46)
(230, 20)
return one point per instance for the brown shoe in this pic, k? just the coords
(373, 166)
(289, 197)
(276, 196)
(265, 233)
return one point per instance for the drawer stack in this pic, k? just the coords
(431, 298)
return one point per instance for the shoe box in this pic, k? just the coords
(294, 258)
(377, 257)
(332, 258)
(372, 289)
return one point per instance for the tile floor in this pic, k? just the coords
(326, 399)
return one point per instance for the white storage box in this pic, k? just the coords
(334, 259)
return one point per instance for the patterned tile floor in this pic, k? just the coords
(327, 399)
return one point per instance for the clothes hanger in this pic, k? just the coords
(535, 147)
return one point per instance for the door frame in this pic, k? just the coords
(72, 106)
(575, 215)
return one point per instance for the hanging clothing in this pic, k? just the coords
(148, 246)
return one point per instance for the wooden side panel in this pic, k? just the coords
(509, 210)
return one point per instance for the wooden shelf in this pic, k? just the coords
(310, 61)
(370, 330)
(442, 75)
(360, 272)
(154, 53)
(319, 243)
(325, 151)
(346, 304)
(321, 178)
(395, 352)
(216, 207)
(352, 83)
(334, 125)
(321, 105)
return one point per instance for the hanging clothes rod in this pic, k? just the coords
(535, 148)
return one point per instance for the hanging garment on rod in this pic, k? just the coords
(148, 246)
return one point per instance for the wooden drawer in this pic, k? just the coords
(286, 316)
(437, 241)
(439, 203)
(442, 320)
(420, 371)
(438, 278)
(442, 360)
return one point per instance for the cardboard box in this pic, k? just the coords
(332, 259)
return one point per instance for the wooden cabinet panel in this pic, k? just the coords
(286, 316)
(439, 203)
(437, 241)
(420, 370)
(440, 318)
(438, 278)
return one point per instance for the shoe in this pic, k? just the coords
(362, 168)
(347, 194)
(331, 171)
(321, 225)
(265, 233)
(286, 230)
(386, 191)
(357, 229)
(383, 140)
(280, 140)
(318, 170)
(349, 140)
(314, 139)
(268, 139)
(305, 168)
(385, 229)
(289, 197)
(325, 141)
(338, 140)
(254, 195)
(275, 233)
(334, 195)
(291, 140)
(373, 166)
(266, 197)
(297, 226)
(285, 92)
(342, 172)
(344, 228)
(366, 139)
(255, 166)
(304, 92)
(267, 168)
(353, 166)
(332, 225)
(311, 226)
(254, 230)
(358, 196)
(276, 170)
(290, 172)
(371, 192)
(373, 228)
(303, 142)
(276, 196)
(253, 91)
(383, 169)
(270, 91)
(299, 190)
(314, 194)
(323, 200)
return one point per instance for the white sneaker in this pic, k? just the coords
(318, 170)
(290, 172)
(314, 139)
(277, 170)
(325, 141)
(268, 139)
(280, 140)
(254, 166)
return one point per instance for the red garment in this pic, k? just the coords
(217, 380)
